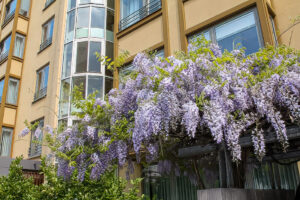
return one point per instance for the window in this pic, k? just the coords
(237, 32)
(66, 70)
(4, 48)
(47, 32)
(5, 143)
(90, 1)
(126, 70)
(70, 26)
(64, 98)
(90, 17)
(110, 25)
(36, 139)
(48, 3)
(95, 84)
(19, 46)
(10, 9)
(12, 92)
(133, 11)
(41, 83)
(24, 9)
(1, 89)
(71, 4)
(273, 30)
(87, 61)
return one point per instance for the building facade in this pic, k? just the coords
(168, 26)
(47, 48)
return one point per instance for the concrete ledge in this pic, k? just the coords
(244, 194)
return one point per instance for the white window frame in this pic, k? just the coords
(1, 139)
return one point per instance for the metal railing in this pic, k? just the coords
(48, 3)
(40, 94)
(3, 56)
(45, 44)
(139, 14)
(8, 17)
(34, 150)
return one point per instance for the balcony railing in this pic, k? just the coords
(8, 17)
(40, 94)
(139, 14)
(45, 44)
(48, 3)
(34, 150)
(3, 56)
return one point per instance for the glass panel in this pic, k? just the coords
(19, 46)
(71, 4)
(47, 30)
(6, 141)
(84, 1)
(95, 84)
(97, 22)
(110, 25)
(108, 84)
(160, 53)
(274, 30)
(1, 88)
(94, 64)
(6, 45)
(205, 34)
(81, 59)
(12, 92)
(62, 124)
(97, 1)
(241, 30)
(82, 25)
(79, 81)
(66, 70)
(126, 70)
(70, 26)
(109, 54)
(24, 9)
(111, 4)
(130, 6)
(11, 7)
(46, 74)
(64, 98)
(35, 143)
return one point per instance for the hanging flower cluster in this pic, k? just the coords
(186, 96)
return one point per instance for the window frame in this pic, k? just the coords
(1, 139)
(48, 22)
(212, 29)
(41, 92)
(23, 43)
(17, 95)
(32, 138)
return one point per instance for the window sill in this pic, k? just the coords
(138, 24)
(23, 17)
(48, 5)
(11, 105)
(39, 99)
(17, 58)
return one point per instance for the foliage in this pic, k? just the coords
(109, 187)
(201, 97)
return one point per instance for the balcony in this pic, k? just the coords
(35, 150)
(139, 14)
(48, 3)
(40, 94)
(7, 18)
(45, 44)
(3, 56)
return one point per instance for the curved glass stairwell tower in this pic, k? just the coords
(89, 29)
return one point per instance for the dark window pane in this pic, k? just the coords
(111, 4)
(109, 54)
(81, 61)
(94, 64)
(95, 84)
(79, 82)
(108, 84)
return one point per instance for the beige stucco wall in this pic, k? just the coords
(22, 25)
(143, 38)
(199, 11)
(285, 11)
(6, 30)
(3, 69)
(16, 68)
(9, 116)
(33, 60)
